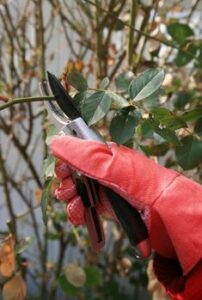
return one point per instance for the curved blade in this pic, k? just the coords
(56, 115)
(63, 99)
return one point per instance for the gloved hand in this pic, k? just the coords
(171, 204)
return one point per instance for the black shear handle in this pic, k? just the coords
(87, 190)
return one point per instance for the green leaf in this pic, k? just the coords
(169, 136)
(93, 276)
(23, 244)
(183, 58)
(152, 101)
(2, 86)
(53, 236)
(104, 83)
(49, 166)
(156, 150)
(165, 133)
(45, 199)
(146, 84)
(67, 287)
(198, 127)
(192, 115)
(51, 133)
(166, 118)
(78, 99)
(77, 80)
(189, 155)
(146, 129)
(180, 32)
(123, 81)
(95, 107)
(182, 98)
(123, 125)
(198, 63)
(118, 102)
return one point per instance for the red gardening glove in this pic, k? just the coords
(170, 203)
(67, 192)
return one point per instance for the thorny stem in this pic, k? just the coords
(7, 196)
(98, 41)
(12, 102)
(165, 42)
(131, 32)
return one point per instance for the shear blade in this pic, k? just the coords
(63, 99)
(55, 113)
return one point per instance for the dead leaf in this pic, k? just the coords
(7, 256)
(71, 66)
(75, 275)
(38, 194)
(79, 65)
(14, 289)
(4, 98)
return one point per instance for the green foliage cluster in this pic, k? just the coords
(138, 115)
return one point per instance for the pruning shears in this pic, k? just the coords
(68, 120)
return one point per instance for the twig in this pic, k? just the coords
(165, 42)
(131, 32)
(7, 196)
(99, 42)
(12, 102)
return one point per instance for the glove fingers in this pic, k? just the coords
(62, 170)
(75, 211)
(66, 190)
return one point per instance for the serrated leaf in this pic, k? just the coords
(123, 81)
(95, 107)
(180, 32)
(78, 99)
(169, 136)
(192, 115)
(147, 129)
(152, 101)
(45, 199)
(146, 84)
(118, 102)
(165, 133)
(67, 287)
(104, 83)
(183, 58)
(156, 150)
(189, 155)
(123, 125)
(93, 276)
(182, 98)
(77, 80)
(166, 118)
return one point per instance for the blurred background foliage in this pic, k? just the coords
(111, 56)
